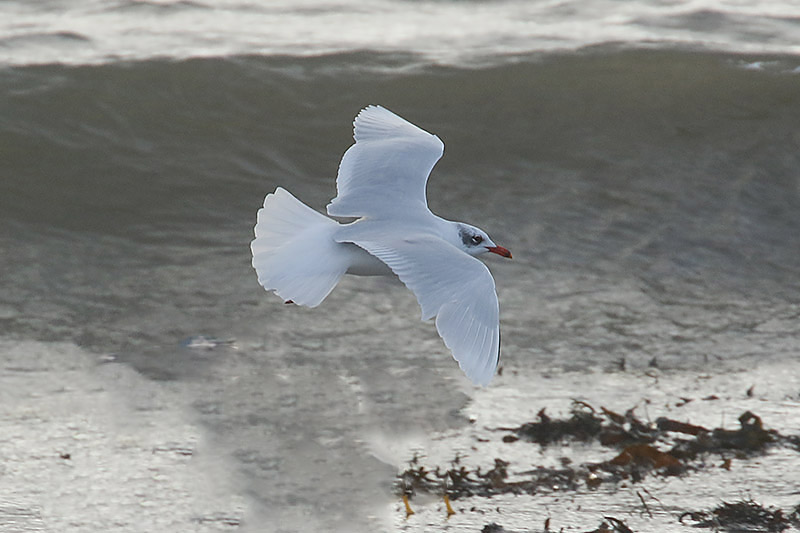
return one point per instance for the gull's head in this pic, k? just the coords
(475, 241)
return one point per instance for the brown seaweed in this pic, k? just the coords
(745, 515)
(667, 447)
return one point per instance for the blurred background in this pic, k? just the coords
(640, 160)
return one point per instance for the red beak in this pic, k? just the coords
(499, 250)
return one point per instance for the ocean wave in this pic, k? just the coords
(650, 158)
(441, 32)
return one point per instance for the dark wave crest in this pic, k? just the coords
(663, 164)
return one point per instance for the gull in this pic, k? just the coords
(301, 254)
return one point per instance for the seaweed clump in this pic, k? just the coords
(459, 481)
(666, 447)
(582, 425)
(750, 437)
(745, 515)
(608, 525)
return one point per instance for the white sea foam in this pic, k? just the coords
(439, 31)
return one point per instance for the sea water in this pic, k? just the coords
(640, 159)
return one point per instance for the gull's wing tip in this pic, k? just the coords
(376, 122)
(371, 113)
(481, 380)
(474, 345)
(480, 375)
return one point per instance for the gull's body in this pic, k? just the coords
(301, 254)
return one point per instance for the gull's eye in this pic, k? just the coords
(476, 239)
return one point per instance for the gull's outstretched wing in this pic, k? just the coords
(386, 170)
(454, 287)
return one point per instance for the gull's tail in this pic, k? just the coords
(294, 252)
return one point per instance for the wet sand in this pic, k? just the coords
(653, 504)
(90, 444)
(93, 446)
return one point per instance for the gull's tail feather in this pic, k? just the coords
(294, 253)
